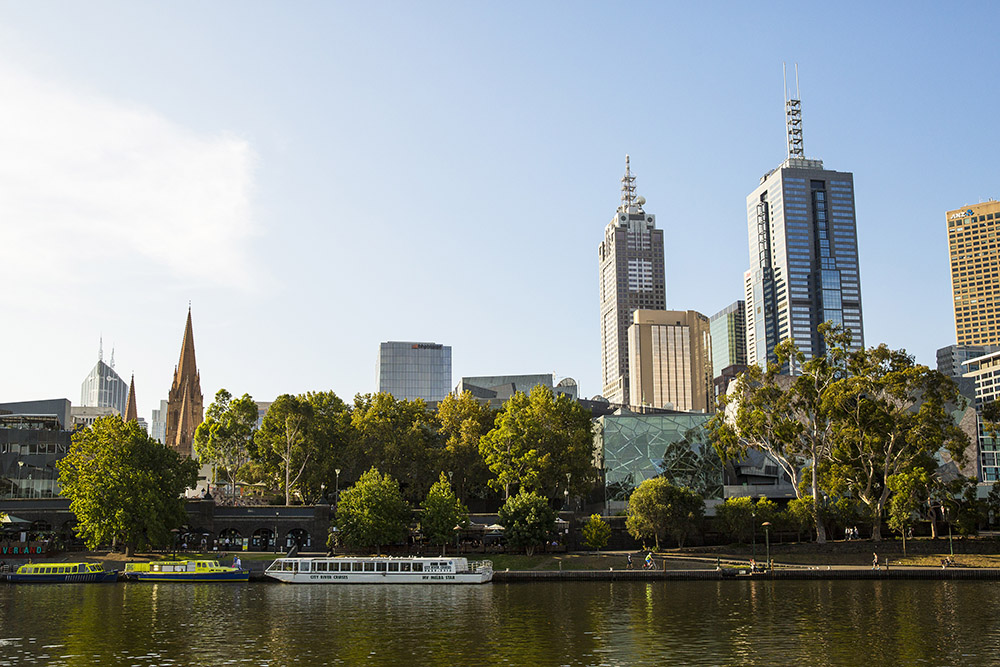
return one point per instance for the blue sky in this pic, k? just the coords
(319, 177)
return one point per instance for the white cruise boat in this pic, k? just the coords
(380, 570)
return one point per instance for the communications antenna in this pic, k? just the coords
(793, 116)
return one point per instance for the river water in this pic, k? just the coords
(571, 623)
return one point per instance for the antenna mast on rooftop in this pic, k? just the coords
(793, 116)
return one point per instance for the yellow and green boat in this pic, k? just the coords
(62, 573)
(184, 570)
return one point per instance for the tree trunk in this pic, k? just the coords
(933, 514)
(820, 528)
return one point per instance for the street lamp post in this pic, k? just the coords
(275, 531)
(767, 539)
(20, 465)
(753, 525)
(336, 493)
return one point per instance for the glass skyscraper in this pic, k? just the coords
(410, 371)
(103, 388)
(803, 254)
(729, 340)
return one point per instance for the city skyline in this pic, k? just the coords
(315, 181)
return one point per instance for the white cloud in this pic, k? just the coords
(93, 187)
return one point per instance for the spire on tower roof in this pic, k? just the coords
(629, 198)
(793, 117)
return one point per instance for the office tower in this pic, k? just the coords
(158, 423)
(951, 359)
(975, 272)
(803, 253)
(631, 277)
(729, 340)
(670, 360)
(184, 402)
(103, 388)
(410, 370)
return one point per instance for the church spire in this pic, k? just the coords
(185, 401)
(131, 413)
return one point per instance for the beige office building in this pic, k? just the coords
(975, 271)
(670, 360)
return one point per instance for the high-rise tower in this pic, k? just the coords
(803, 253)
(103, 387)
(975, 272)
(631, 277)
(184, 403)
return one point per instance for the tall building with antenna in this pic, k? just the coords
(103, 387)
(803, 252)
(631, 278)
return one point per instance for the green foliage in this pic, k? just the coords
(800, 515)
(735, 518)
(281, 445)
(658, 507)
(908, 493)
(527, 520)
(463, 422)
(893, 416)
(786, 416)
(372, 513)
(224, 438)
(537, 441)
(330, 436)
(123, 486)
(963, 509)
(443, 513)
(596, 532)
(399, 436)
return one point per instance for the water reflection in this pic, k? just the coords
(614, 623)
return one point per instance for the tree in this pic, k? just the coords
(527, 520)
(124, 487)
(400, 437)
(443, 513)
(463, 422)
(786, 416)
(330, 436)
(596, 532)
(282, 446)
(907, 497)
(735, 517)
(800, 516)
(373, 513)
(224, 439)
(541, 442)
(892, 416)
(658, 507)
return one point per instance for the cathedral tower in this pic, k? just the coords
(184, 404)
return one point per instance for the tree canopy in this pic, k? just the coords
(527, 520)
(443, 512)
(372, 513)
(463, 422)
(658, 507)
(224, 439)
(124, 487)
(282, 446)
(596, 532)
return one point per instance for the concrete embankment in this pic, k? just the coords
(819, 574)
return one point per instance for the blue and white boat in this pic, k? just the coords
(62, 573)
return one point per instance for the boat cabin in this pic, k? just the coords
(61, 568)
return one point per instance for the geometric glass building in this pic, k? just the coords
(729, 341)
(631, 277)
(975, 272)
(803, 254)
(409, 370)
(103, 388)
(632, 448)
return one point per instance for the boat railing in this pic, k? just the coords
(480, 565)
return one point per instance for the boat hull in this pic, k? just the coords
(190, 577)
(381, 577)
(74, 578)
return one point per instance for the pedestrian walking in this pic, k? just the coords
(874, 561)
(628, 566)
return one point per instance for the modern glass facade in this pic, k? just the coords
(803, 259)
(632, 448)
(729, 340)
(30, 446)
(410, 370)
(103, 388)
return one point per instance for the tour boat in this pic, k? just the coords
(62, 573)
(184, 570)
(380, 570)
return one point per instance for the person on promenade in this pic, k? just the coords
(236, 563)
(874, 561)
(628, 565)
(649, 561)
